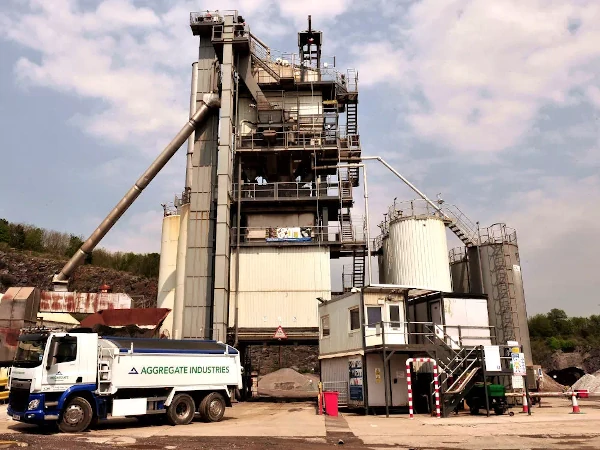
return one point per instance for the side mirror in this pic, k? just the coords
(52, 352)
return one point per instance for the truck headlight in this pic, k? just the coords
(33, 404)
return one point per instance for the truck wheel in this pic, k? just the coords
(77, 416)
(212, 407)
(181, 410)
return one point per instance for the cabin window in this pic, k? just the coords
(354, 319)
(325, 331)
(373, 316)
(394, 316)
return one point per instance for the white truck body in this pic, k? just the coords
(119, 377)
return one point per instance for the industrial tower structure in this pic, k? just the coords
(266, 205)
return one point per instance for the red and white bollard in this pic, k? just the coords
(525, 404)
(575, 404)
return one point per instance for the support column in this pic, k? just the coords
(224, 177)
(199, 266)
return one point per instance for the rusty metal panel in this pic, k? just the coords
(123, 317)
(82, 302)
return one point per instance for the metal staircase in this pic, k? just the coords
(358, 267)
(461, 225)
(346, 229)
(459, 367)
(262, 56)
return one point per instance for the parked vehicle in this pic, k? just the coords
(77, 378)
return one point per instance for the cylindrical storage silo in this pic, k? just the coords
(459, 270)
(167, 274)
(179, 305)
(415, 250)
(503, 284)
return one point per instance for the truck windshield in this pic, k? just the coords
(30, 352)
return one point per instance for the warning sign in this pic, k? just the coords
(279, 333)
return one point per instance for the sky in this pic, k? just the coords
(493, 105)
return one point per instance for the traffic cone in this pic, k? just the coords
(575, 404)
(525, 405)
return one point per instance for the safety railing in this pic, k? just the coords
(403, 332)
(330, 234)
(498, 233)
(292, 191)
(310, 135)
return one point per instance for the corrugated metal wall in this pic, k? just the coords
(416, 254)
(281, 220)
(280, 286)
(341, 339)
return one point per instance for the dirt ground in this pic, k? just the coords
(295, 425)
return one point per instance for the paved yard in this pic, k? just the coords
(251, 426)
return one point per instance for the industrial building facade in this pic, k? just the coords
(266, 205)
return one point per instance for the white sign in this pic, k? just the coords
(492, 358)
(517, 382)
(518, 363)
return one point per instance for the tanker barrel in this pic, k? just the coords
(61, 279)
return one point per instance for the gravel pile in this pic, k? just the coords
(289, 384)
(550, 385)
(588, 382)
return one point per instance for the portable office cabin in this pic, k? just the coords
(351, 332)
(359, 330)
(463, 318)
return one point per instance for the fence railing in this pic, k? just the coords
(306, 234)
(291, 190)
(310, 135)
(392, 332)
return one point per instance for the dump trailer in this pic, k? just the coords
(76, 378)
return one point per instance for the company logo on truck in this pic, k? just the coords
(170, 370)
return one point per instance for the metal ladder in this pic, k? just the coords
(358, 267)
(106, 357)
(503, 288)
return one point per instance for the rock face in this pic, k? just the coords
(302, 358)
(22, 269)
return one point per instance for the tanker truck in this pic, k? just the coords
(73, 379)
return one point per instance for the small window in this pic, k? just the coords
(67, 350)
(354, 319)
(325, 326)
(373, 315)
(395, 316)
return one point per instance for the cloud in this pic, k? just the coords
(479, 72)
(139, 233)
(557, 227)
(132, 61)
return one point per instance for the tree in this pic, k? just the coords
(34, 239)
(4, 231)
(75, 242)
(17, 236)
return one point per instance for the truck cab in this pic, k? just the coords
(76, 378)
(49, 367)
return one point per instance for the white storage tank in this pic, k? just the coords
(415, 248)
(167, 274)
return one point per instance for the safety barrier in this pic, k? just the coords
(435, 384)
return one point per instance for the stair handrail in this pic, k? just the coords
(469, 367)
(463, 222)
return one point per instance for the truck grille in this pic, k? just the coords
(18, 399)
